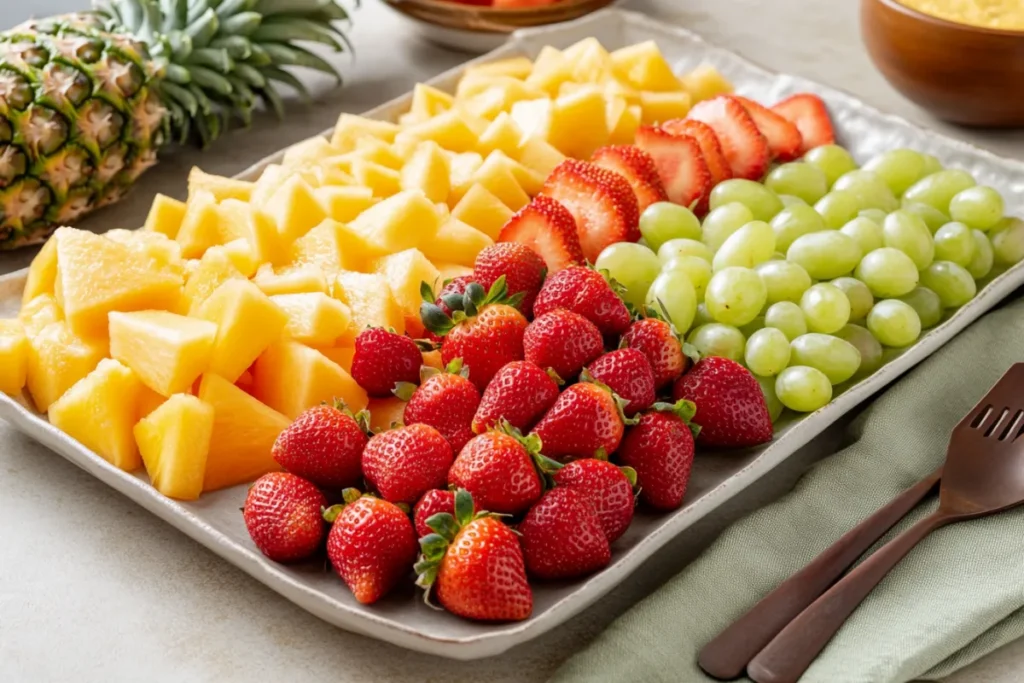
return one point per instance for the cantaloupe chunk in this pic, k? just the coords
(404, 272)
(38, 313)
(42, 274)
(331, 246)
(428, 170)
(428, 101)
(167, 352)
(294, 208)
(174, 442)
(480, 209)
(342, 355)
(706, 82)
(369, 298)
(386, 413)
(165, 216)
(220, 187)
(449, 129)
(14, 351)
(99, 411)
(315, 319)
(344, 203)
(350, 128)
(291, 378)
(57, 359)
(645, 68)
(456, 242)
(243, 435)
(214, 269)
(514, 67)
(658, 107)
(300, 279)
(401, 222)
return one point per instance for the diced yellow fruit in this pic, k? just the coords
(410, 118)
(243, 435)
(42, 274)
(450, 271)
(331, 246)
(623, 121)
(514, 67)
(220, 187)
(428, 170)
(314, 319)
(528, 179)
(382, 180)
(663, 106)
(294, 208)
(351, 128)
(149, 401)
(272, 177)
(550, 70)
(38, 313)
(591, 63)
(496, 175)
(369, 298)
(645, 68)
(247, 323)
(244, 382)
(472, 85)
(486, 104)
(379, 152)
(401, 222)
(539, 156)
(502, 135)
(241, 255)
(533, 117)
(404, 273)
(165, 216)
(579, 124)
(165, 252)
(14, 351)
(706, 82)
(456, 242)
(344, 203)
(308, 152)
(331, 172)
(205, 226)
(56, 360)
(480, 209)
(463, 166)
(167, 352)
(342, 355)
(428, 101)
(174, 442)
(386, 413)
(215, 268)
(449, 129)
(303, 279)
(98, 276)
(432, 359)
(292, 378)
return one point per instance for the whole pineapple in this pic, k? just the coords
(87, 100)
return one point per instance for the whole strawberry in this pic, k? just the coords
(608, 487)
(451, 293)
(444, 400)
(660, 449)
(429, 504)
(474, 566)
(563, 341)
(523, 269)
(562, 537)
(583, 290)
(372, 545)
(324, 445)
(520, 394)
(282, 515)
(731, 409)
(382, 359)
(585, 422)
(657, 340)
(628, 374)
(404, 463)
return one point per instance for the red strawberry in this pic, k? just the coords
(563, 341)
(810, 115)
(609, 489)
(445, 400)
(372, 545)
(404, 463)
(585, 291)
(523, 269)
(431, 503)
(282, 515)
(784, 140)
(586, 421)
(474, 564)
(548, 228)
(680, 164)
(562, 537)
(628, 373)
(324, 445)
(743, 144)
(602, 202)
(382, 359)
(451, 292)
(520, 393)
(731, 410)
(657, 340)
(637, 167)
(660, 448)
(710, 147)
(486, 333)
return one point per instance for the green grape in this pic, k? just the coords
(866, 344)
(697, 270)
(825, 307)
(683, 247)
(951, 282)
(894, 323)
(735, 296)
(861, 299)
(825, 255)
(871, 190)
(752, 327)
(984, 256)
(833, 160)
(887, 272)
(927, 304)
(803, 389)
(979, 207)
(1008, 242)
(898, 168)
(789, 200)
(787, 317)
(931, 216)
(701, 317)
(716, 339)
(672, 295)
(752, 244)
(775, 406)
(838, 359)
(954, 242)
(931, 165)
(838, 208)
(876, 215)
(722, 222)
(909, 234)
(664, 221)
(761, 201)
(784, 281)
(794, 221)
(767, 352)
(865, 232)
(798, 179)
(631, 265)
(938, 189)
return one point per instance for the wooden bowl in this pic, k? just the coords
(963, 74)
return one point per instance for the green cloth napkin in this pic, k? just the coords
(954, 598)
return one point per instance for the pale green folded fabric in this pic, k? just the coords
(956, 597)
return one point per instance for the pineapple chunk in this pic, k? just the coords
(579, 124)
(167, 352)
(480, 209)
(38, 313)
(220, 187)
(658, 107)
(514, 67)
(503, 135)
(294, 208)
(205, 226)
(149, 401)
(456, 242)
(496, 175)
(705, 82)
(243, 434)
(272, 177)
(401, 222)
(386, 413)
(165, 216)
(528, 179)
(450, 271)
(644, 67)
(14, 350)
(241, 255)
(342, 355)
(315, 319)
(165, 252)
(427, 170)
(302, 279)
(539, 156)
(590, 62)
(344, 203)
(351, 128)
(42, 274)
(332, 247)
(383, 181)
(379, 152)
(57, 359)
(463, 166)
(404, 272)
(99, 412)
(450, 130)
(214, 269)
(247, 323)
(428, 101)
(623, 121)
(174, 442)
(259, 229)
(292, 378)
(308, 152)
(550, 70)
(369, 298)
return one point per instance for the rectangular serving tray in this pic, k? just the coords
(403, 619)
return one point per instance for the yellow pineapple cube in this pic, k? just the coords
(456, 242)
(382, 180)
(590, 62)
(379, 152)
(301, 279)
(344, 203)
(706, 82)
(14, 350)
(386, 413)
(272, 177)
(658, 107)
(428, 101)
(528, 179)
(502, 135)
(496, 175)
(645, 67)
(463, 166)
(149, 401)
(428, 170)
(165, 252)
(247, 323)
(449, 129)
(450, 271)
(309, 152)
(167, 352)
(369, 298)
(487, 104)
(174, 442)
(57, 359)
(214, 269)
(220, 187)
(165, 216)
(241, 255)
(404, 272)
(480, 209)
(42, 274)
(291, 378)
(514, 67)
(342, 355)
(400, 222)
(350, 128)
(260, 231)
(539, 156)
(315, 319)
(331, 172)
(550, 69)
(294, 208)
(623, 121)
(38, 313)
(205, 226)
(579, 124)
(333, 247)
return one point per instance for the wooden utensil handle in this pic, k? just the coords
(786, 658)
(728, 654)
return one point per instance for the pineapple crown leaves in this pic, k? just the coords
(683, 409)
(474, 300)
(620, 403)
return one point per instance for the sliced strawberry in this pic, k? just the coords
(710, 147)
(637, 167)
(744, 145)
(549, 229)
(784, 139)
(810, 115)
(601, 201)
(682, 168)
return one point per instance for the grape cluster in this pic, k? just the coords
(822, 273)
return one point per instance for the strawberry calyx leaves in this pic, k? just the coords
(348, 496)
(465, 306)
(620, 403)
(362, 418)
(555, 376)
(691, 352)
(683, 409)
(545, 466)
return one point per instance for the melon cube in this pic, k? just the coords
(480, 209)
(301, 279)
(294, 208)
(456, 242)
(332, 247)
(386, 413)
(38, 313)
(645, 68)
(539, 156)
(315, 319)
(404, 272)
(369, 298)
(350, 128)
(658, 107)
(449, 129)
(344, 203)
(401, 222)
(220, 187)
(514, 67)
(292, 378)
(383, 181)
(14, 350)
(428, 170)
(174, 442)
(623, 121)
(309, 152)
(167, 352)
(42, 274)
(165, 216)
(57, 359)
(503, 135)
(214, 269)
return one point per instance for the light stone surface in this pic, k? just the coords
(93, 588)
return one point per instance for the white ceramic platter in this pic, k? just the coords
(403, 619)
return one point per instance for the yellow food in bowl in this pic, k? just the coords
(1007, 15)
